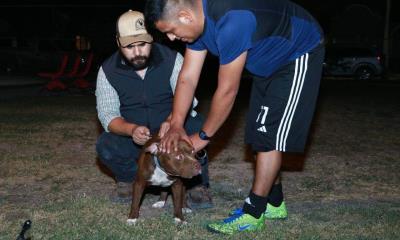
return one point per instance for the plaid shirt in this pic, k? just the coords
(107, 99)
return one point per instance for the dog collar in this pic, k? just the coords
(157, 163)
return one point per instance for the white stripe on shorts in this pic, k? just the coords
(297, 86)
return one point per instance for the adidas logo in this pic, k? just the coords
(262, 129)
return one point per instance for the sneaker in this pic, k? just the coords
(199, 197)
(238, 223)
(236, 211)
(271, 212)
(122, 193)
(275, 213)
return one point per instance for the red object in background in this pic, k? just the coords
(80, 81)
(75, 67)
(55, 82)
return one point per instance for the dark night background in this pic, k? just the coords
(345, 22)
(345, 185)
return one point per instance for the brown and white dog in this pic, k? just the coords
(162, 169)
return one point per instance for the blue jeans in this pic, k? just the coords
(120, 154)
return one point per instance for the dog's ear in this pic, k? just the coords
(152, 148)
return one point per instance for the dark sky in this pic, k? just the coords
(319, 8)
(60, 19)
(46, 18)
(316, 6)
(323, 10)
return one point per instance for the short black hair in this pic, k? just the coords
(154, 10)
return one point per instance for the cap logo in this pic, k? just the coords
(140, 24)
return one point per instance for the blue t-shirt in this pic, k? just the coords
(274, 32)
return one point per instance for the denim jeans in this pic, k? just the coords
(119, 154)
(202, 157)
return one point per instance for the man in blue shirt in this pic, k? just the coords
(280, 44)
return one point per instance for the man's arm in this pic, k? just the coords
(187, 83)
(184, 94)
(121, 127)
(229, 76)
(109, 114)
(107, 101)
(174, 79)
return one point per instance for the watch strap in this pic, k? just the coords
(203, 135)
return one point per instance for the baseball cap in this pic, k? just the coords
(131, 28)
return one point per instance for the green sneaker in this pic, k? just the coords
(274, 213)
(271, 212)
(237, 223)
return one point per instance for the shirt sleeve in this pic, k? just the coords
(174, 79)
(234, 34)
(107, 100)
(197, 45)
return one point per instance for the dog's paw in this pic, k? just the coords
(179, 221)
(131, 221)
(159, 204)
(186, 210)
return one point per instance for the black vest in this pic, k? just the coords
(148, 101)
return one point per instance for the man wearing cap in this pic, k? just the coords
(134, 93)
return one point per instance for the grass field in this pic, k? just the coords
(344, 187)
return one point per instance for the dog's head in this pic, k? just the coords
(181, 163)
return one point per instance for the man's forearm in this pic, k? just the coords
(221, 106)
(229, 76)
(121, 127)
(186, 86)
(182, 102)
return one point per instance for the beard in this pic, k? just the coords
(138, 62)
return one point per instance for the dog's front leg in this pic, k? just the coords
(138, 188)
(177, 197)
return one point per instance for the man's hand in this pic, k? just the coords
(164, 128)
(140, 134)
(197, 142)
(169, 142)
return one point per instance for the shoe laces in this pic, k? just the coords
(237, 211)
(233, 218)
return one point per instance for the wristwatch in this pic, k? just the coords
(203, 135)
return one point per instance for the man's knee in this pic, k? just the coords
(104, 146)
(111, 147)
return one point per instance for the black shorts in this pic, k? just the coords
(282, 105)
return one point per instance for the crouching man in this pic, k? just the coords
(134, 94)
